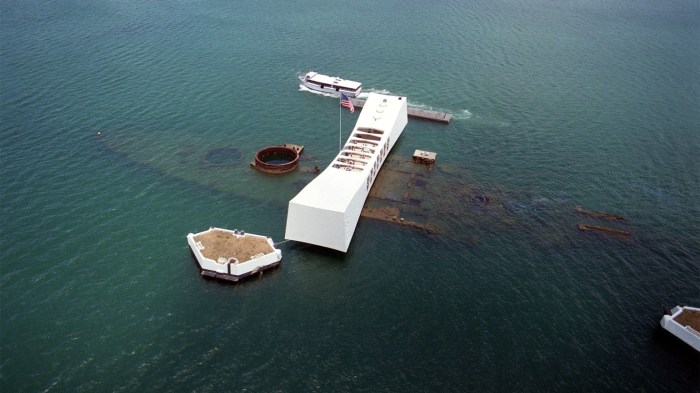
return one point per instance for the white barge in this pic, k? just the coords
(232, 255)
(330, 84)
(326, 211)
(684, 323)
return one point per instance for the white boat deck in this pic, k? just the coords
(330, 84)
(326, 211)
(333, 80)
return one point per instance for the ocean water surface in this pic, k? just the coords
(126, 125)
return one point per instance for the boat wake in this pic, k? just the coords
(378, 91)
(463, 114)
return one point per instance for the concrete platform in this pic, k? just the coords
(424, 157)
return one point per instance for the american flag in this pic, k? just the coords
(345, 101)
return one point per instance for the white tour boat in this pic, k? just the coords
(232, 255)
(684, 323)
(326, 211)
(330, 84)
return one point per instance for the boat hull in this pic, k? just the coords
(330, 91)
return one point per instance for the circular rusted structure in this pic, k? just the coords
(277, 159)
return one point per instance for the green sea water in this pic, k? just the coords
(126, 125)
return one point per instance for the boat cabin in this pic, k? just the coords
(331, 84)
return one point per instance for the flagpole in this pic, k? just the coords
(340, 125)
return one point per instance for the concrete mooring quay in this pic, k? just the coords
(418, 113)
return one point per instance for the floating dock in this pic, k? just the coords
(326, 211)
(684, 323)
(418, 113)
(232, 255)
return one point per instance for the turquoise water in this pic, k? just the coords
(555, 104)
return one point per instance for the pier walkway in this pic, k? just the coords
(418, 113)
